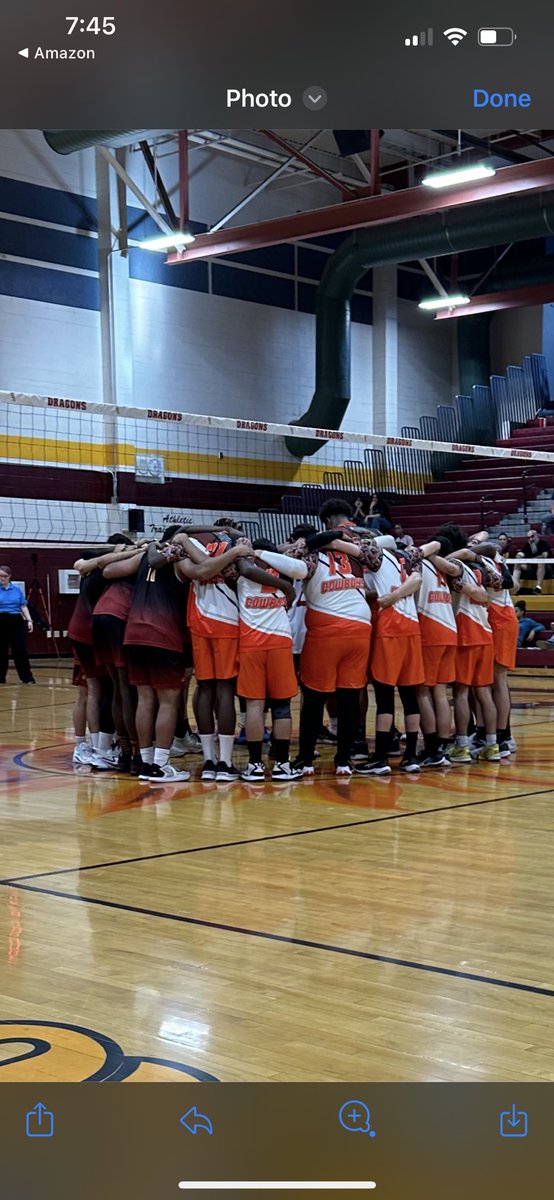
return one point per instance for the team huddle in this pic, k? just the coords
(325, 614)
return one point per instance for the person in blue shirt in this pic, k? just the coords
(528, 629)
(14, 616)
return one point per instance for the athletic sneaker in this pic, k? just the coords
(82, 754)
(537, 590)
(487, 753)
(373, 766)
(226, 773)
(103, 760)
(343, 769)
(240, 740)
(136, 765)
(208, 770)
(189, 744)
(152, 773)
(512, 745)
(325, 736)
(304, 768)
(360, 752)
(123, 764)
(254, 772)
(476, 741)
(504, 748)
(436, 759)
(409, 764)
(459, 756)
(285, 772)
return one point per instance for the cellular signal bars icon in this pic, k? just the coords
(420, 39)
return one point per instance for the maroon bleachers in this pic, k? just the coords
(481, 490)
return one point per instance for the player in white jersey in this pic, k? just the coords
(439, 639)
(266, 662)
(212, 563)
(475, 654)
(336, 650)
(504, 625)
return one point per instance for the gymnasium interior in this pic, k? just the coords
(320, 320)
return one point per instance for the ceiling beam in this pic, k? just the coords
(524, 297)
(371, 210)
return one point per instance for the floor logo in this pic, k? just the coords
(77, 1055)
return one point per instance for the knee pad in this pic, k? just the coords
(384, 697)
(280, 710)
(408, 696)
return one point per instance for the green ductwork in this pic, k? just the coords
(469, 227)
(67, 141)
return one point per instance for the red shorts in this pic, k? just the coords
(335, 662)
(84, 655)
(439, 664)
(268, 673)
(475, 665)
(397, 661)
(107, 635)
(152, 666)
(215, 657)
(504, 640)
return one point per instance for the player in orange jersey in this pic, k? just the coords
(266, 671)
(439, 639)
(504, 625)
(475, 652)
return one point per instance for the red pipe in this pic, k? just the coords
(371, 210)
(183, 178)
(374, 164)
(344, 188)
(540, 293)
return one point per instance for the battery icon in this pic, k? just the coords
(501, 36)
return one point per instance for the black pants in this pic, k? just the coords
(12, 637)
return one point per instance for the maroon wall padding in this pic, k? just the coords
(55, 483)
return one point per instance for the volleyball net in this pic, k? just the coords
(71, 470)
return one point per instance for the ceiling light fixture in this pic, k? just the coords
(469, 173)
(443, 302)
(176, 240)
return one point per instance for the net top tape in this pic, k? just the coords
(274, 429)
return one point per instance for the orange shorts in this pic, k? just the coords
(475, 665)
(335, 662)
(397, 661)
(439, 664)
(268, 673)
(215, 658)
(505, 645)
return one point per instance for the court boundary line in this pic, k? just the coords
(282, 939)
(270, 837)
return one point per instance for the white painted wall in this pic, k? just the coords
(426, 350)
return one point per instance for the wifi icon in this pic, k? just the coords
(455, 36)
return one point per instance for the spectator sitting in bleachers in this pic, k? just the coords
(548, 520)
(359, 515)
(528, 629)
(534, 547)
(402, 539)
(504, 545)
(379, 515)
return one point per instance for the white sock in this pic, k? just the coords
(207, 741)
(226, 743)
(332, 725)
(105, 741)
(147, 754)
(462, 741)
(94, 740)
(80, 741)
(161, 757)
(490, 739)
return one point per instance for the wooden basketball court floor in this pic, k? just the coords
(396, 929)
